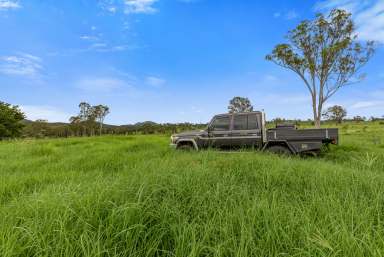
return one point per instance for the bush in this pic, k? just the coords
(10, 121)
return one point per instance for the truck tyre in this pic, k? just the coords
(279, 149)
(185, 147)
(310, 154)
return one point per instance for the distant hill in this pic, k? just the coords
(63, 129)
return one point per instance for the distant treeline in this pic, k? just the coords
(41, 129)
(356, 119)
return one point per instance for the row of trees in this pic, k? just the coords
(42, 128)
(89, 119)
(13, 123)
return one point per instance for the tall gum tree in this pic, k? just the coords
(326, 54)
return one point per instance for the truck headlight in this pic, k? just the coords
(174, 139)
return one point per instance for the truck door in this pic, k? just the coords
(246, 131)
(220, 131)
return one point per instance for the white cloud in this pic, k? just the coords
(112, 9)
(368, 16)
(9, 4)
(155, 81)
(101, 84)
(108, 5)
(363, 103)
(290, 15)
(52, 114)
(367, 104)
(129, 6)
(89, 38)
(139, 6)
(21, 65)
(104, 47)
(99, 44)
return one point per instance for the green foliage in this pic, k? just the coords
(134, 196)
(10, 121)
(335, 113)
(88, 119)
(326, 54)
(100, 112)
(38, 129)
(240, 104)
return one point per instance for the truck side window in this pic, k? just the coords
(252, 122)
(240, 122)
(221, 124)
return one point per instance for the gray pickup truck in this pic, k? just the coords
(249, 130)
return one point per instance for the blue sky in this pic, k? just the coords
(167, 60)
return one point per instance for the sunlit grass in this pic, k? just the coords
(133, 196)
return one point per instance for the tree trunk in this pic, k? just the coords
(316, 113)
(318, 121)
(319, 110)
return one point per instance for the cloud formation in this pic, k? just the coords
(368, 16)
(103, 85)
(21, 65)
(89, 38)
(139, 6)
(367, 104)
(52, 114)
(290, 15)
(129, 6)
(106, 48)
(9, 4)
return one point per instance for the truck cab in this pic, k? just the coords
(236, 130)
(240, 130)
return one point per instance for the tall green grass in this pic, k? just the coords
(133, 196)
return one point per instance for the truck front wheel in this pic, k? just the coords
(279, 149)
(185, 147)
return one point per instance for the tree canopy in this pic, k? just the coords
(88, 118)
(240, 104)
(326, 54)
(10, 121)
(336, 113)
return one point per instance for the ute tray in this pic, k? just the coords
(289, 134)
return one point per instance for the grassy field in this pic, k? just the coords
(133, 196)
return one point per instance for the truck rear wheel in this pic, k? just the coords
(279, 149)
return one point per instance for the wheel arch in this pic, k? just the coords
(188, 141)
(280, 143)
